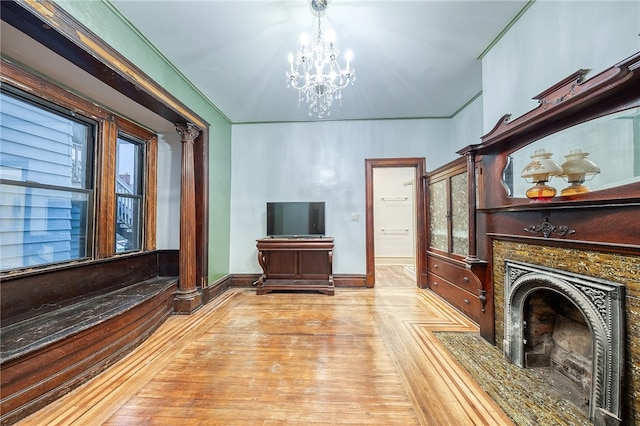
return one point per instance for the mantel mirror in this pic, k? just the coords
(581, 144)
(599, 154)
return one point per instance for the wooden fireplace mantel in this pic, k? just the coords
(296, 264)
(593, 234)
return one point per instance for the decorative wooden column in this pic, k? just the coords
(477, 266)
(472, 255)
(187, 299)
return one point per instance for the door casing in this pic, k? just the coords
(419, 166)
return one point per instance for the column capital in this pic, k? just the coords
(188, 131)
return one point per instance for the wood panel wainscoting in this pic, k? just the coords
(363, 356)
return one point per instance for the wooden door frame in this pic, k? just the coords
(419, 167)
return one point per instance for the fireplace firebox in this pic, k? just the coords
(586, 314)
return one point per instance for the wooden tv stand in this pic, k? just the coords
(296, 264)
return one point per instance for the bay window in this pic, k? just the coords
(67, 169)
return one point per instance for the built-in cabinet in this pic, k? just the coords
(453, 272)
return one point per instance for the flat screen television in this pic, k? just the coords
(295, 219)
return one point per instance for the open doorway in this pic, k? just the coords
(416, 233)
(394, 218)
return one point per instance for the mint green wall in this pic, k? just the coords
(101, 18)
(220, 200)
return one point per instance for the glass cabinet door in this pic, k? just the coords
(438, 215)
(449, 210)
(459, 214)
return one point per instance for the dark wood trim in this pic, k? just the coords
(105, 213)
(608, 228)
(243, 280)
(472, 255)
(150, 178)
(168, 263)
(39, 87)
(216, 288)
(95, 312)
(572, 100)
(627, 249)
(150, 194)
(453, 167)
(201, 170)
(460, 279)
(53, 27)
(421, 263)
(369, 230)
(445, 172)
(350, 281)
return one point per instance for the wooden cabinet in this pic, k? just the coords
(448, 209)
(296, 264)
(454, 282)
(453, 271)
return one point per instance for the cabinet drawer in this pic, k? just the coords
(455, 273)
(465, 302)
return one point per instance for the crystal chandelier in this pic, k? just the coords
(316, 73)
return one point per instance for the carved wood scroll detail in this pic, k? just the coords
(546, 228)
(563, 90)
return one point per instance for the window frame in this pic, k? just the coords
(101, 227)
(87, 189)
(139, 194)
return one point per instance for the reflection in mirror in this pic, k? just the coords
(610, 144)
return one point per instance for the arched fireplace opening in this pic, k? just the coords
(557, 299)
(558, 342)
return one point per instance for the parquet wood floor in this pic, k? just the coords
(363, 356)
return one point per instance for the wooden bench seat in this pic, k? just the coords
(52, 344)
(51, 327)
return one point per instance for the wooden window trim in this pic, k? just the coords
(150, 178)
(109, 124)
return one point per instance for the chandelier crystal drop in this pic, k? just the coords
(316, 74)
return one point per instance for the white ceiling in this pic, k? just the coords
(412, 58)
